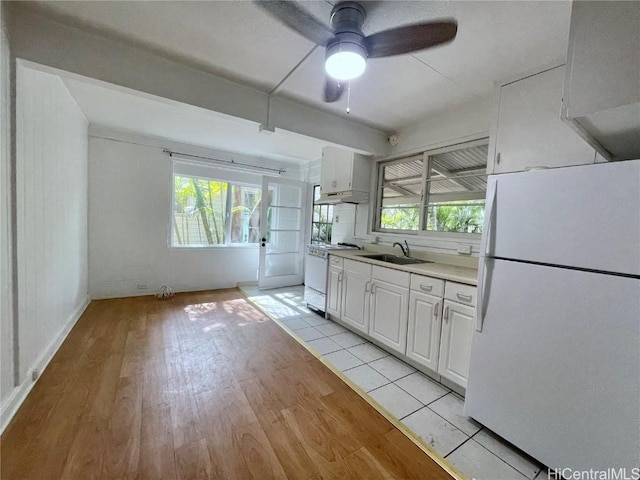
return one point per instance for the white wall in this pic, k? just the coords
(130, 220)
(458, 125)
(6, 283)
(51, 217)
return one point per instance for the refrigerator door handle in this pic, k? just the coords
(480, 293)
(489, 214)
(484, 280)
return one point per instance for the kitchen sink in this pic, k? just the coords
(385, 257)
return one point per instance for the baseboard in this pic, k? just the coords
(11, 405)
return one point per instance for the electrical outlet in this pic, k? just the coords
(464, 249)
(337, 218)
(143, 286)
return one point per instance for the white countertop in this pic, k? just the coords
(432, 269)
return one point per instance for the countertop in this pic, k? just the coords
(444, 271)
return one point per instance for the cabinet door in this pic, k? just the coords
(423, 333)
(389, 313)
(455, 342)
(334, 291)
(530, 132)
(344, 172)
(355, 298)
(335, 170)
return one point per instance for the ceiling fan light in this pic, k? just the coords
(345, 61)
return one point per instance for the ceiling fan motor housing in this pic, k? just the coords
(347, 19)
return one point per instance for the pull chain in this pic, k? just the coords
(349, 97)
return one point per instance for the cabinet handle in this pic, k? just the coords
(436, 307)
(445, 315)
(340, 275)
(464, 298)
(373, 289)
(426, 288)
(366, 286)
(498, 158)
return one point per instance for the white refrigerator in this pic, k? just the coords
(555, 355)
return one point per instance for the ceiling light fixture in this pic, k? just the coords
(345, 60)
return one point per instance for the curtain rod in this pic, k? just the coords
(279, 171)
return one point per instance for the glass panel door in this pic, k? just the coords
(282, 232)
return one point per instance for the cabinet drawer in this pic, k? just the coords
(432, 286)
(390, 275)
(357, 267)
(335, 261)
(458, 292)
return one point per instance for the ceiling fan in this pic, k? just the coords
(347, 48)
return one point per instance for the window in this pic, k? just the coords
(322, 220)
(212, 212)
(438, 191)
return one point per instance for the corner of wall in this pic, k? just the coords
(10, 405)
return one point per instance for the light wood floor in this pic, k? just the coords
(199, 386)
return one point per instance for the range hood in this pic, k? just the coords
(350, 196)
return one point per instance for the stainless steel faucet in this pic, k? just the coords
(405, 251)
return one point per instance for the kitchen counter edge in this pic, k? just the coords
(443, 271)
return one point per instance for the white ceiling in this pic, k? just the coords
(237, 40)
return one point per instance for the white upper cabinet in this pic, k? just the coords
(335, 172)
(602, 82)
(529, 131)
(344, 171)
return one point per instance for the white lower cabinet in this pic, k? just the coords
(334, 291)
(427, 320)
(455, 342)
(355, 295)
(389, 301)
(423, 334)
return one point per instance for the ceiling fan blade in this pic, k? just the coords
(297, 19)
(410, 38)
(333, 90)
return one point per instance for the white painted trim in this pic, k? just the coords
(19, 394)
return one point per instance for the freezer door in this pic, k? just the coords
(556, 369)
(585, 217)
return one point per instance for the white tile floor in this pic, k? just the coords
(429, 409)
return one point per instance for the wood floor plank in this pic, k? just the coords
(203, 385)
(157, 456)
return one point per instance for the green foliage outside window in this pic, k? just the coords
(211, 212)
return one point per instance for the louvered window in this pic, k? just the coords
(442, 190)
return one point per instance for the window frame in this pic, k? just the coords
(227, 215)
(421, 231)
(313, 205)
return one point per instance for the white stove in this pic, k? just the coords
(315, 277)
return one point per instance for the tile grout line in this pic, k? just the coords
(495, 454)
